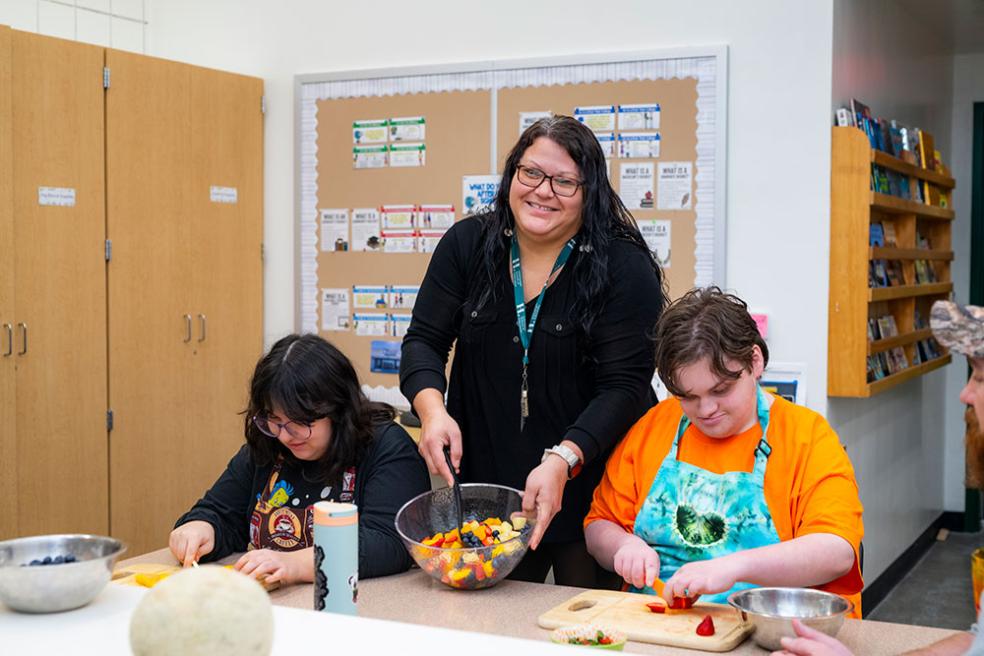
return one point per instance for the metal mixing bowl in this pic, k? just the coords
(772, 611)
(464, 568)
(53, 588)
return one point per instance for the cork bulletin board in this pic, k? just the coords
(472, 115)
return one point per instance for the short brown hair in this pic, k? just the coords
(706, 323)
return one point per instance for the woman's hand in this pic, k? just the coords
(191, 541)
(704, 577)
(543, 495)
(811, 643)
(287, 567)
(636, 562)
(437, 430)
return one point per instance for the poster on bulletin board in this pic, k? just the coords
(391, 159)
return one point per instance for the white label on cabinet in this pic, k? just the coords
(57, 196)
(223, 194)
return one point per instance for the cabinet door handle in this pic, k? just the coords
(10, 339)
(187, 319)
(23, 327)
(202, 325)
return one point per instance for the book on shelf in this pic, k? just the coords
(874, 331)
(889, 228)
(876, 234)
(887, 327)
(918, 321)
(925, 273)
(877, 275)
(922, 241)
(844, 118)
(896, 277)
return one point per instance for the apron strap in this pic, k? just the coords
(762, 451)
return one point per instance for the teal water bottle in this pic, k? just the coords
(336, 557)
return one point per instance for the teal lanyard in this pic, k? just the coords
(526, 330)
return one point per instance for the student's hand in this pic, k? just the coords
(704, 577)
(811, 643)
(287, 567)
(543, 495)
(191, 541)
(437, 429)
(636, 562)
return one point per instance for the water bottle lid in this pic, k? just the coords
(331, 513)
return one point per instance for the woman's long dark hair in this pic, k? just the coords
(603, 216)
(307, 378)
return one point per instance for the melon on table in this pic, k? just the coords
(204, 610)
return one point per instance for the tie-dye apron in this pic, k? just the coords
(693, 514)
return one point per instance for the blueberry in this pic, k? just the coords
(46, 561)
(35, 562)
(495, 534)
(58, 560)
(70, 558)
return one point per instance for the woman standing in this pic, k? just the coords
(548, 299)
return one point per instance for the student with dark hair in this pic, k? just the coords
(548, 299)
(311, 435)
(724, 486)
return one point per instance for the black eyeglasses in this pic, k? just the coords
(561, 186)
(270, 428)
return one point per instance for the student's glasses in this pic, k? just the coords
(297, 430)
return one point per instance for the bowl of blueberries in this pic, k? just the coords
(483, 550)
(53, 573)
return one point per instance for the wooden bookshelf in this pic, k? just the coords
(854, 207)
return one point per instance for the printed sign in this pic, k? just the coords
(56, 196)
(229, 195)
(675, 182)
(600, 118)
(478, 192)
(410, 128)
(638, 117)
(334, 230)
(369, 132)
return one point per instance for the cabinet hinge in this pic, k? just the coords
(109, 250)
(109, 420)
(105, 77)
(263, 104)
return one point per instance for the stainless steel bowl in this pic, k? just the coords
(53, 588)
(772, 611)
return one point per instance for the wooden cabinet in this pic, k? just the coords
(853, 301)
(142, 158)
(8, 400)
(53, 296)
(185, 282)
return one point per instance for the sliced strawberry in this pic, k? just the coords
(656, 607)
(706, 626)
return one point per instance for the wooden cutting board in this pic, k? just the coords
(128, 575)
(628, 613)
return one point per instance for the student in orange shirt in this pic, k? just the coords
(726, 487)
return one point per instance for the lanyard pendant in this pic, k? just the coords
(524, 402)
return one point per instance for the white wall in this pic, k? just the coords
(778, 143)
(896, 439)
(968, 88)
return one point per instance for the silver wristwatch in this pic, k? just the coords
(573, 462)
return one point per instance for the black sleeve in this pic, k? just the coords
(226, 506)
(622, 349)
(433, 328)
(393, 474)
